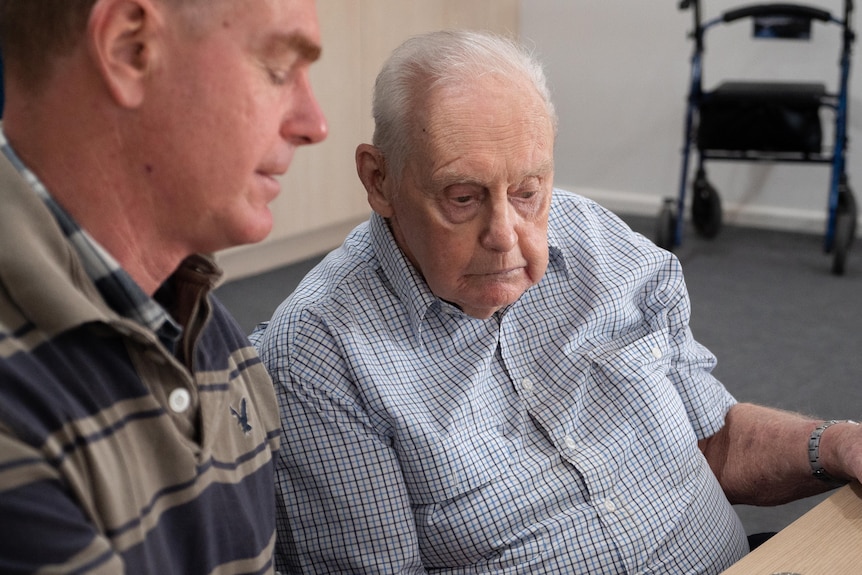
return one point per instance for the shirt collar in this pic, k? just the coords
(556, 256)
(120, 291)
(406, 281)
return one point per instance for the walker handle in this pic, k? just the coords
(809, 12)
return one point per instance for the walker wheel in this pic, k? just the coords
(665, 230)
(845, 229)
(705, 208)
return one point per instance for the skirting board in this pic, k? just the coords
(255, 259)
(765, 217)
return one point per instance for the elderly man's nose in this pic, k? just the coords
(500, 234)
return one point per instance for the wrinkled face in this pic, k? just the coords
(228, 109)
(471, 212)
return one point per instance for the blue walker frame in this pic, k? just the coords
(841, 220)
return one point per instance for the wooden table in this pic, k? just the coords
(825, 541)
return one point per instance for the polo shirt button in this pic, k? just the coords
(179, 400)
(656, 352)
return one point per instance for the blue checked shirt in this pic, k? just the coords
(558, 436)
(120, 291)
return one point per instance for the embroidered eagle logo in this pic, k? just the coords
(241, 417)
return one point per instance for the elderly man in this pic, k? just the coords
(137, 425)
(492, 376)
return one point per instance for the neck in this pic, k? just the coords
(89, 176)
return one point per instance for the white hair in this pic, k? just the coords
(441, 59)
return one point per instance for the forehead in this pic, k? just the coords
(489, 121)
(287, 25)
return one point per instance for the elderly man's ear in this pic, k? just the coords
(371, 167)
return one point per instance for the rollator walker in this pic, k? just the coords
(764, 122)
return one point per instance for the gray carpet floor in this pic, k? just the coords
(785, 330)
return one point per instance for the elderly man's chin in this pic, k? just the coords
(491, 298)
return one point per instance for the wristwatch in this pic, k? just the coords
(814, 450)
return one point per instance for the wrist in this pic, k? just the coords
(817, 454)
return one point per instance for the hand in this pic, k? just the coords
(841, 451)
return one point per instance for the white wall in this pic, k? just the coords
(619, 71)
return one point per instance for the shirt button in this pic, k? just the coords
(179, 400)
(570, 442)
(656, 352)
(527, 385)
(610, 506)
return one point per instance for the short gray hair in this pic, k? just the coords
(440, 59)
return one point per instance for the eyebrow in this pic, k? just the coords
(295, 42)
(448, 178)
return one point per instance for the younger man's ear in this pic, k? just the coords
(371, 167)
(121, 38)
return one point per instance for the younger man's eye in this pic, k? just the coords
(278, 77)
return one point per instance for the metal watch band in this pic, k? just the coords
(814, 450)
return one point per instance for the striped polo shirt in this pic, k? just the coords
(127, 444)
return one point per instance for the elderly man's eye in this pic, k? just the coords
(463, 194)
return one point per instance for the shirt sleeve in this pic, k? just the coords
(706, 399)
(341, 501)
